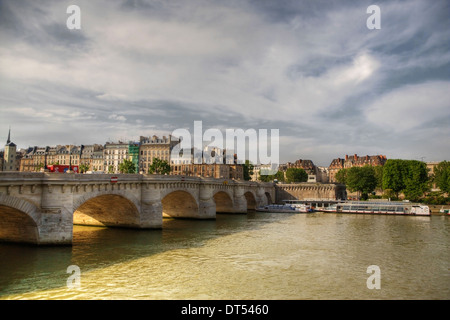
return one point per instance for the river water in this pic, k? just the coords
(254, 256)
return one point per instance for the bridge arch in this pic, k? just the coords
(224, 202)
(179, 204)
(78, 201)
(251, 200)
(19, 219)
(106, 209)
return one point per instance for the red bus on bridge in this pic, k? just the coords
(62, 168)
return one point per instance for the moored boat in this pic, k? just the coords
(299, 205)
(390, 208)
(285, 208)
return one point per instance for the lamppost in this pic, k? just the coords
(70, 160)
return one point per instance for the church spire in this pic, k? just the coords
(9, 136)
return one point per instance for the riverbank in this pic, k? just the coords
(434, 209)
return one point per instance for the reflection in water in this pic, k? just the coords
(254, 256)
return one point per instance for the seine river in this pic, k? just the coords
(254, 256)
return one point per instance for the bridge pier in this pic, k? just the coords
(240, 202)
(151, 216)
(207, 205)
(55, 227)
(261, 198)
(206, 209)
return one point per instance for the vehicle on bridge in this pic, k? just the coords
(61, 168)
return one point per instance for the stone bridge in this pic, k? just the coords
(41, 208)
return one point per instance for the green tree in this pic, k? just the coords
(341, 176)
(39, 167)
(268, 178)
(379, 176)
(393, 172)
(441, 176)
(296, 175)
(159, 166)
(111, 169)
(127, 166)
(248, 170)
(415, 179)
(84, 167)
(279, 176)
(407, 176)
(361, 179)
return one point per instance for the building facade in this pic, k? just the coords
(215, 170)
(113, 155)
(98, 162)
(306, 165)
(87, 155)
(353, 161)
(155, 147)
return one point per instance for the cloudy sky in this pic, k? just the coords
(311, 69)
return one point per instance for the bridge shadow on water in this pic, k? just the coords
(26, 268)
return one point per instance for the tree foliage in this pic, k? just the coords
(159, 166)
(127, 166)
(441, 176)
(296, 175)
(341, 176)
(84, 167)
(415, 179)
(393, 173)
(407, 176)
(267, 178)
(248, 170)
(361, 179)
(378, 170)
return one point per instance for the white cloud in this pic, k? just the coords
(117, 117)
(411, 106)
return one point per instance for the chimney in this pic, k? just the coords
(355, 157)
(346, 157)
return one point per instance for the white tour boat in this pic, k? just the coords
(375, 207)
